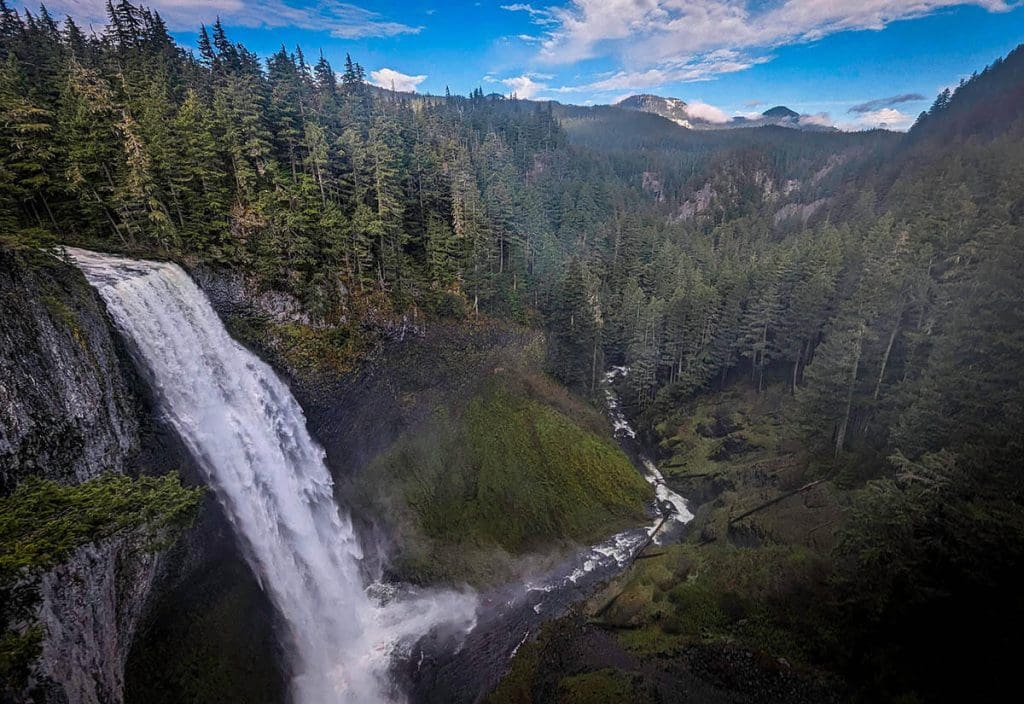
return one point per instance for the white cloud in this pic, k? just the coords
(703, 111)
(339, 19)
(700, 69)
(821, 119)
(395, 80)
(886, 118)
(524, 86)
(657, 35)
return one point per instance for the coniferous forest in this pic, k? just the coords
(867, 288)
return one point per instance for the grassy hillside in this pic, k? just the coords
(505, 473)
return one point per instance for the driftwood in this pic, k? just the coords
(776, 500)
(650, 538)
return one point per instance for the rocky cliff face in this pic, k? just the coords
(122, 623)
(70, 410)
(91, 607)
(231, 293)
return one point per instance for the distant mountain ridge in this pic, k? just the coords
(682, 114)
(672, 109)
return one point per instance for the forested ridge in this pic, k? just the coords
(877, 278)
(307, 177)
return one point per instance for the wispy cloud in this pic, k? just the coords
(395, 80)
(700, 68)
(879, 103)
(537, 15)
(339, 19)
(650, 37)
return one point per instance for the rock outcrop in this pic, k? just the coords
(68, 411)
(231, 293)
(91, 607)
(71, 408)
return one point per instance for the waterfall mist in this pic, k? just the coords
(249, 436)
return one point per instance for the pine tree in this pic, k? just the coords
(200, 181)
(27, 156)
(89, 145)
(442, 253)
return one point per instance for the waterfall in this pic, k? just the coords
(248, 434)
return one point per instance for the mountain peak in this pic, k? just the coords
(672, 109)
(648, 99)
(780, 111)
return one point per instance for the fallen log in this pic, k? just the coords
(776, 500)
(629, 563)
(648, 556)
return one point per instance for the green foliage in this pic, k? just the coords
(19, 650)
(606, 686)
(42, 522)
(720, 594)
(505, 472)
(930, 546)
(448, 305)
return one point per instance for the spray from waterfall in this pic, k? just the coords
(249, 436)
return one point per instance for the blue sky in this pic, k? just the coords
(856, 64)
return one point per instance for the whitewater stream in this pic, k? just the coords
(350, 641)
(248, 434)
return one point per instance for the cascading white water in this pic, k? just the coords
(619, 549)
(249, 436)
(680, 508)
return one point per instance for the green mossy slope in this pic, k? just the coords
(506, 473)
